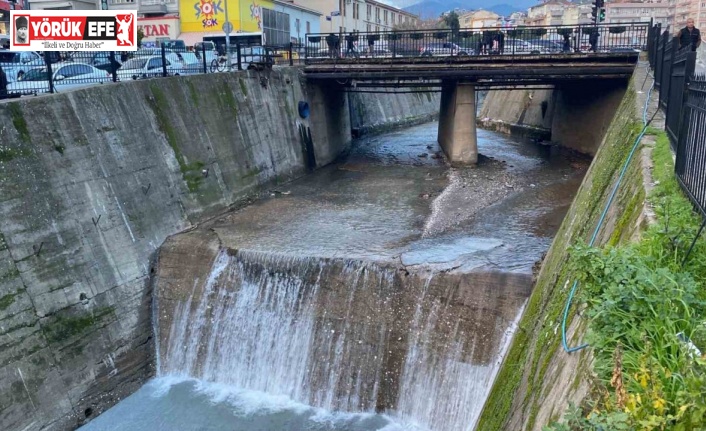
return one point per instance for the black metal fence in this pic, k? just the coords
(691, 144)
(683, 98)
(528, 40)
(31, 73)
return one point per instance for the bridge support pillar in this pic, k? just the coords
(457, 122)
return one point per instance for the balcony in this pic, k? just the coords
(153, 6)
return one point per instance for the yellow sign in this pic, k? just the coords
(208, 16)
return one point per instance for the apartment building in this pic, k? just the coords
(684, 9)
(633, 11)
(548, 13)
(479, 19)
(359, 15)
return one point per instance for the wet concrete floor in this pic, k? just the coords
(394, 198)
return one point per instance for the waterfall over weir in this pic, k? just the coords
(341, 335)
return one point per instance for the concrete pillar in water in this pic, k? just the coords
(330, 121)
(583, 111)
(457, 122)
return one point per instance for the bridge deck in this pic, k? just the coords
(488, 69)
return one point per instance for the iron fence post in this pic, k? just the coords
(113, 66)
(164, 61)
(291, 56)
(689, 68)
(203, 55)
(240, 62)
(50, 73)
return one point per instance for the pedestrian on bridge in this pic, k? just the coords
(333, 42)
(350, 44)
(593, 39)
(689, 36)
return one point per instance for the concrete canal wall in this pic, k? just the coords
(93, 181)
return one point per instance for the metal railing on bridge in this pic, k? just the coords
(530, 40)
(683, 99)
(33, 73)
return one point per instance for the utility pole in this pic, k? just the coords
(227, 28)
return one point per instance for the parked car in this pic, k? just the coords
(208, 46)
(99, 60)
(255, 57)
(519, 46)
(443, 49)
(148, 67)
(66, 76)
(548, 46)
(191, 63)
(16, 63)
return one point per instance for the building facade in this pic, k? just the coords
(302, 20)
(5, 8)
(360, 15)
(618, 13)
(548, 13)
(479, 19)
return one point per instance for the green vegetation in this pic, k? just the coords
(7, 154)
(62, 328)
(643, 309)
(18, 120)
(522, 379)
(191, 172)
(7, 300)
(243, 87)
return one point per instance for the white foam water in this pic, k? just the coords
(255, 336)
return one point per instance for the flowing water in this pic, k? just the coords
(377, 294)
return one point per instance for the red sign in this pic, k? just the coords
(67, 30)
(152, 30)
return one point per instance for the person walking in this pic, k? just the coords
(689, 36)
(567, 42)
(332, 41)
(350, 44)
(593, 39)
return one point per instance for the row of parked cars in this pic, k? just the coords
(27, 72)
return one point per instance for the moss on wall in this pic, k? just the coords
(60, 328)
(523, 383)
(191, 172)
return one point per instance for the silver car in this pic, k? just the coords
(16, 63)
(443, 49)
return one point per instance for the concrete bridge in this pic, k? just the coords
(587, 66)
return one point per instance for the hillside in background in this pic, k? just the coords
(434, 8)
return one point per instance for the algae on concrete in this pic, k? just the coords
(60, 328)
(18, 120)
(522, 383)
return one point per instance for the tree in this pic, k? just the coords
(450, 20)
(140, 36)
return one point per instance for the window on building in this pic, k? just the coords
(276, 27)
(308, 27)
(385, 17)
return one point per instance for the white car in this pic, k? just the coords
(191, 64)
(16, 63)
(148, 67)
(66, 76)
